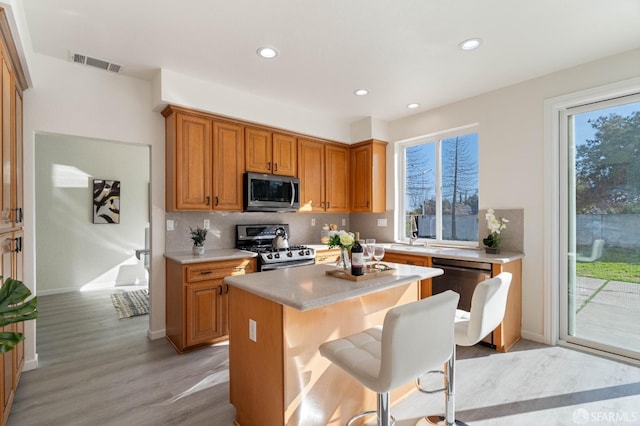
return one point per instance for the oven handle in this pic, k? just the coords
(284, 265)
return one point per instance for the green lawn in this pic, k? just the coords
(616, 264)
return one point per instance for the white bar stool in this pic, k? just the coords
(488, 305)
(415, 338)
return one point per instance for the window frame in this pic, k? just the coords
(400, 184)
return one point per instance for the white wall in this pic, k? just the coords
(70, 99)
(180, 89)
(73, 253)
(511, 157)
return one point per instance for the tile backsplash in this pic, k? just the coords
(222, 232)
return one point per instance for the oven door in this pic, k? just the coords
(283, 265)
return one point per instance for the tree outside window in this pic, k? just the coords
(441, 189)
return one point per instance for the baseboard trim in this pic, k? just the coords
(30, 364)
(539, 338)
(157, 334)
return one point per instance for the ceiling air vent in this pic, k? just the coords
(94, 62)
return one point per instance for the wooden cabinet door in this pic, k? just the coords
(311, 173)
(258, 151)
(203, 311)
(18, 176)
(337, 179)
(7, 144)
(368, 177)
(361, 179)
(228, 166)
(193, 163)
(7, 387)
(285, 158)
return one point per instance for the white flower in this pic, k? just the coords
(494, 224)
(346, 238)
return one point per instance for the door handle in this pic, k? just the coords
(275, 167)
(208, 200)
(269, 165)
(217, 200)
(293, 193)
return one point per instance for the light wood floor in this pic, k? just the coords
(98, 370)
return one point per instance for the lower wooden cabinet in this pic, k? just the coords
(508, 332)
(12, 362)
(197, 301)
(407, 259)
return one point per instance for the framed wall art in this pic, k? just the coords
(106, 201)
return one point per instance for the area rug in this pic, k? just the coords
(131, 303)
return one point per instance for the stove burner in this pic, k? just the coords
(259, 239)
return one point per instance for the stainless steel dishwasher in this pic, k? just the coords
(461, 276)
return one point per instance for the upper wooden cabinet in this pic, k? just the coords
(207, 155)
(368, 177)
(189, 160)
(205, 162)
(11, 144)
(323, 170)
(228, 166)
(267, 152)
(337, 178)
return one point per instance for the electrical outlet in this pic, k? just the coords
(344, 222)
(252, 330)
(313, 221)
(382, 222)
(170, 225)
(206, 224)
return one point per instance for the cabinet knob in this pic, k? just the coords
(275, 167)
(206, 272)
(220, 290)
(217, 200)
(269, 165)
(208, 200)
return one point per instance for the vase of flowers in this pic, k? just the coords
(345, 241)
(198, 235)
(496, 225)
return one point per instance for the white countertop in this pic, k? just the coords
(476, 255)
(308, 287)
(186, 257)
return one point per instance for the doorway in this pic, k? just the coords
(78, 249)
(600, 225)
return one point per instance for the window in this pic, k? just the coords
(438, 188)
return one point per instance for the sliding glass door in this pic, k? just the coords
(600, 226)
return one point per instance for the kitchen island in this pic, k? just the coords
(277, 320)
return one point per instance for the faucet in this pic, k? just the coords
(413, 238)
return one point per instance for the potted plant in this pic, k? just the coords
(198, 235)
(495, 226)
(14, 309)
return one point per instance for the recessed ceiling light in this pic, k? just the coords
(470, 44)
(267, 52)
(413, 106)
(361, 92)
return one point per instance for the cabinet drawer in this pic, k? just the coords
(327, 256)
(224, 268)
(407, 259)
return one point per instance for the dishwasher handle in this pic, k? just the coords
(465, 264)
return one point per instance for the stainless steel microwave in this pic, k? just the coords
(271, 193)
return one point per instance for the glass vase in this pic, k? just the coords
(344, 263)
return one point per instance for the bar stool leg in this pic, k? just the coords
(449, 418)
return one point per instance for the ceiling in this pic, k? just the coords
(402, 51)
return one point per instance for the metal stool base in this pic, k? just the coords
(368, 413)
(439, 421)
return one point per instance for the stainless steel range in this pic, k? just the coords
(261, 239)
